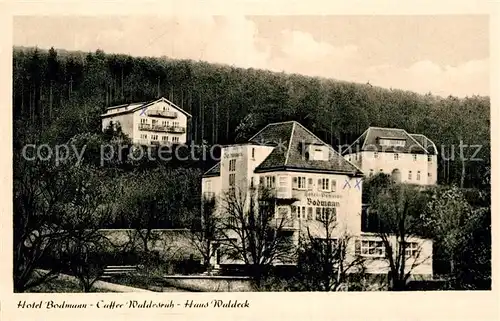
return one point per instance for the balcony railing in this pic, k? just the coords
(162, 113)
(176, 129)
(162, 128)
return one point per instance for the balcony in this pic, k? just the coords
(162, 128)
(162, 113)
(176, 129)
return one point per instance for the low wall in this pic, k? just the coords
(207, 283)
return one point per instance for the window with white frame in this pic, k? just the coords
(411, 249)
(375, 154)
(301, 212)
(270, 181)
(418, 175)
(164, 138)
(370, 248)
(253, 152)
(392, 142)
(310, 184)
(324, 184)
(414, 157)
(429, 158)
(144, 120)
(299, 183)
(232, 180)
(232, 165)
(326, 214)
(371, 172)
(396, 156)
(409, 175)
(175, 139)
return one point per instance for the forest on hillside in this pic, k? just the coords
(64, 93)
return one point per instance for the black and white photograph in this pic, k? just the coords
(251, 153)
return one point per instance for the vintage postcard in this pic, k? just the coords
(208, 163)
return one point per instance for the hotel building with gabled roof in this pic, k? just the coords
(408, 158)
(310, 180)
(155, 122)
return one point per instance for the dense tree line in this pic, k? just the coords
(66, 91)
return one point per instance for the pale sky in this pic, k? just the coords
(441, 54)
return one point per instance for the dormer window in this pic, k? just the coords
(391, 142)
(317, 152)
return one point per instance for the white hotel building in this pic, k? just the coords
(314, 178)
(157, 122)
(408, 158)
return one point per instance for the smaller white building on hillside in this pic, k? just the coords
(157, 122)
(408, 158)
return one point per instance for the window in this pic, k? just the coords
(164, 138)
(409, 175)
(429, 175)
(309, 213)
(324, 183)
(232, 165)
(333, 185)
(392, 142)
(164, 123)
(301, 212)
(310, 184)
(375, 154)
(251, 182)
(414, 157)
(154, 121)
(144, 121)
(232, 180)
(299, 182)
(418, 175)
(411, 249)
(253, 152)
(370, 248)
(429, 158)
(154, 137)
(175, 139)
(144, 136)
(396, 156)
(270, 181)
(326, 214)
(371, 172)
(381, 170)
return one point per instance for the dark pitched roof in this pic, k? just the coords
(140, 105)
(426, 143)
(369, 141)
(213, 171)
(290, 139)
